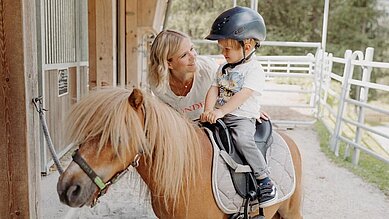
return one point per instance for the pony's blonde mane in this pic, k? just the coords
(168, 141)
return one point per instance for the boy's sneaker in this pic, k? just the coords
(267, 192)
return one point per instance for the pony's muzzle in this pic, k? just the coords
(70, 195)
(75, 194)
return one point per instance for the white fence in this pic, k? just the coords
(328, 96)
(345, 117)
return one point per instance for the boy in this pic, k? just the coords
(236, 91)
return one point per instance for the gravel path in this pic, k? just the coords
(329, 191)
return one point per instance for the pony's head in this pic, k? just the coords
(113, 127)
(107, 126)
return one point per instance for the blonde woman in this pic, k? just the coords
(177, 75)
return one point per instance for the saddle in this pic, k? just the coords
(242, 177)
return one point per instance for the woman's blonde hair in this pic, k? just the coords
(164, 46)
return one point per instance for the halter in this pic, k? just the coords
(103, 187)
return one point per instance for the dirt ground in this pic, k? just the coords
(329, 191)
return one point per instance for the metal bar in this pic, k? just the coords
(325, 24)
(369, 85)
(347, 74)
(270, 43)
(291, 106)
(293, 122)
(294, 75)
(366, 105)
(62, 65)
(348, 141)
(289, 90)
(336, 77)
(359, 124)
(371, 64)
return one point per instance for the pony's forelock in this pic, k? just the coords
(106, 115)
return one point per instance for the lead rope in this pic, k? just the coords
(38, 106)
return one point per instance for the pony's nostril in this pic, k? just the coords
(70, 195)
(73, 193)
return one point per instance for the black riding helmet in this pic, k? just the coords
(238, 23)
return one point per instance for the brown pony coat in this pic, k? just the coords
(176, 159)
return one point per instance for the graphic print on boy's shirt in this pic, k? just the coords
(229, 84)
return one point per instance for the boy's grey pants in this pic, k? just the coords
(242, 133)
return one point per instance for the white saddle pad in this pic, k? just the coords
(281, 172)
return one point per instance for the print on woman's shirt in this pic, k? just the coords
(193, 107)
(229, 84)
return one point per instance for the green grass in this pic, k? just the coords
(369, 168)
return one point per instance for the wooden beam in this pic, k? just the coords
(142, 17)
(19, 149)
(122, 43)
(92, 43)
(102, 23)
(152, 14)
(132, 42)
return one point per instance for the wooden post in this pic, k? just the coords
(142, 17)
(132, 44)
(92, 43)
(19, 148)
(102, 42)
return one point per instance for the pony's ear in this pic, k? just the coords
(136, 98)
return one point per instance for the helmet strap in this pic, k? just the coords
(233, 65)
(257, 45)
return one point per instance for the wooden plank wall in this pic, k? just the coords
(102, 42)
(132, 42)
(134, 20)
(19, 166)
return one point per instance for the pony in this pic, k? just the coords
(115, 128)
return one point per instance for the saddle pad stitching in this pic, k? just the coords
(215, 166)
(234, 198)
(292, 174)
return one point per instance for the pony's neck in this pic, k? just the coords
(172, 157)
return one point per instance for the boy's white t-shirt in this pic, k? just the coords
(250, 75)
(192, 105)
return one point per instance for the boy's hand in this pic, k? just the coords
(212, 116)
(264, 116)
(204, 115)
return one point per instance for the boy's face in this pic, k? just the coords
(231, 53)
